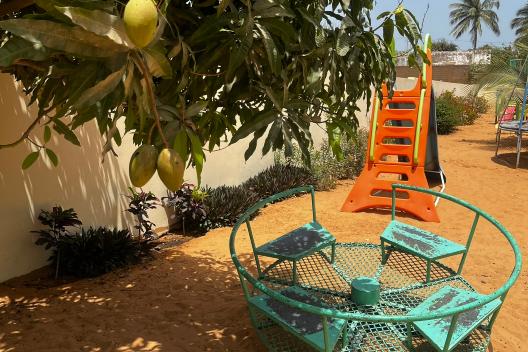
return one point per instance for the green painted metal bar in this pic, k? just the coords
(393, 204)
(312, 193)
(326, 334)
(254, 247)
(450, 332)
(409, 336)
(428, 272)
(496, 313)
(418, 127)
(374, 129)
(468, 243)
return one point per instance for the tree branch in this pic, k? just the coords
(152, 97)
(24, 135)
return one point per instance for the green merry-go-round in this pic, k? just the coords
(322, 295)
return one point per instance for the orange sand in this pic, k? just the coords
(189, 298)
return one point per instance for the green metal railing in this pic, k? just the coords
(245, 275)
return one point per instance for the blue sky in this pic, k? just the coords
(437, 21)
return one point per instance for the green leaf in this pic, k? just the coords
(196, 108)
(181, 143)
(47, 134)
(197, 153)
(256, 123)
(157, 62)
(30, 159)
(53, 157)
(68, 134)
(101, 89)
(17, 48)
(241, 51)
(73, 40)
(388, 31)
(99, 22)
(271, 50)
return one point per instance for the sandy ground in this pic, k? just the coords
(189, 297)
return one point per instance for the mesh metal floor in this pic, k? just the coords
(403, 287)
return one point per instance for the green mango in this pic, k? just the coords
(142, 165)
(141, 21)
(171, 168)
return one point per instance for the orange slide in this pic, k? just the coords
(397, 152)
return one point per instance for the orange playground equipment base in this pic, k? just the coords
(397, 152)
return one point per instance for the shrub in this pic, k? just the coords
(225, 204)
(189, 208)
(447, 116)
(95, 251)
(140, 203)
(57, 221)
(278, 178)
(324, 166)
(90, 252)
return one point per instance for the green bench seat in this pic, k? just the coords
(421, 243)
(307, 326)
(299, 243)
(437, 330)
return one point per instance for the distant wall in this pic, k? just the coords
(454, 58)
(80, 181)
(447, 73)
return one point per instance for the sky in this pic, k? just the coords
(437, 24)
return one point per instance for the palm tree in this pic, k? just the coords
(470, 15)
(520, 23)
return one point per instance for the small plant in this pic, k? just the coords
(225, 204)
(140, 203)
(57, 221)
(278, 178)
(89, 252)
(325, 168)
(188, 204)
(95, 251)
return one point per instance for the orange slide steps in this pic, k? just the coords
(396, 152)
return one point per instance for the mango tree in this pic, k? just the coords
(200, 73)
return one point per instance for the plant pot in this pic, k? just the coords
(174, 220)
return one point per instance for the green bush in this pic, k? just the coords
(95, 251)
(453, 111)
(225, 204)
(90, 252)
(325, 167)
(447, 115)
(278, 178)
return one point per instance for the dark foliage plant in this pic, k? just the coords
(95, 251)
(139, 205)
(86, 252)
(188, 203)
(57, 221)
(225, 204)
(278, 178)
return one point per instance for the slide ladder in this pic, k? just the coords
(397, 150)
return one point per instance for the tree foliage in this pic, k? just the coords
(471, 15)
(444, 45)
(520, 23)
(216, 70)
